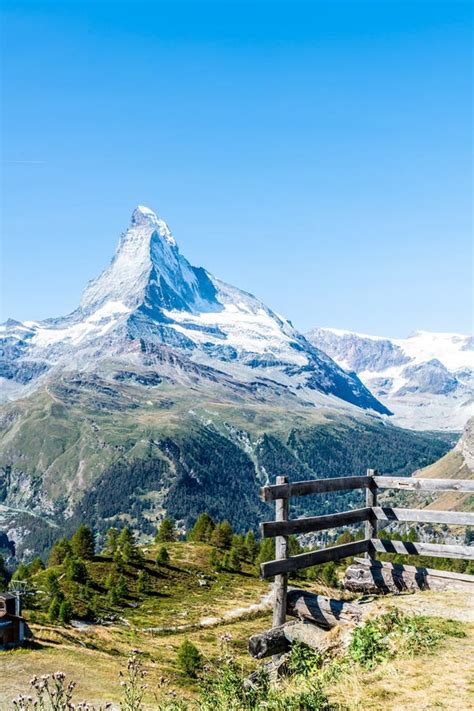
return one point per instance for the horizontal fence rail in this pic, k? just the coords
(306, 560)
(413, 484)
(433, 550)
(270, 529)
(348, 483)
(371, 514)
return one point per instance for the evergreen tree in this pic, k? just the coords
(59, 552)
(65, 612)
(113, 596)
(35, 566)
(76, 570)
(121, 587)
(162, 557)
(222, 535)
(166, 531)
(202, 529)
(251, 546)
(214, 560)
(3, 573)
(266, 552)
(111, 541)
(53, 612)
(143, 580)
(82, 543)
(234, 560)
(21, 573)
(52, 584)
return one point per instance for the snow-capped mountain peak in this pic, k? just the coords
(427, 379)
(151, 300)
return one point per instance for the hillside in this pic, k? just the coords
(81, 450)
(456, 464)
(431, 655)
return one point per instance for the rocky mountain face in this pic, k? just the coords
(151, 307)
(426, 380)
(168, 390)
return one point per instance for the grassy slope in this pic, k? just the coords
(95, 656)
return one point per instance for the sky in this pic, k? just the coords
(317, 154)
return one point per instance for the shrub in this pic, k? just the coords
(189, 659)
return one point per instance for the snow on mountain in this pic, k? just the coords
(151, 308)
(427, 380)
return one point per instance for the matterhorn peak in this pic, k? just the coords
(143, 216)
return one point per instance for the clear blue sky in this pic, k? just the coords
(314, 153)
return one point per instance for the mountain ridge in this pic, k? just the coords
(426, 380)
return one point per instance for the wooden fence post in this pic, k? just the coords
(371, 500)
(281, 551)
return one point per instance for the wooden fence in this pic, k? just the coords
(370, 545)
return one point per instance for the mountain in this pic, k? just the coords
(458, 463)
(426, 380)
(151, 308)
(168, 390)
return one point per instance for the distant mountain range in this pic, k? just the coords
(168, 390)
(426, 380)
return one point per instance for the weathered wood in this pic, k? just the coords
(454, 518)
(313, 486)
(270, 642)
(306, 560)
(278, 640)
(437, 550)
(415, 484)
(322, 611)
(370, 530)
(380, 577)
(281, 553)
(268, 529)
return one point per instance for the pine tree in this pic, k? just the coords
(82, 543)
(65, 612)
(35, 566)
(53, 612)
(251, 546)
(222, 535)
(52, 584)
(121, 587)
(76, 570)
(59, 552)
(234, 560)
(3, 573)
(162, 557)
(214, 560)
(111, 541)
(21, 573)
(142, 582)
(166, 531)
(202, 529)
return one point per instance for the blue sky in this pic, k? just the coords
(314, 153)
